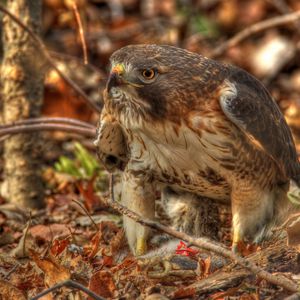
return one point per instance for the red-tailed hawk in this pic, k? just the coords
(195, 126)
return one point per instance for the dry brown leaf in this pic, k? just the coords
(47, 233)
(8, 291)
(117, 242)
(93, 248)
(253, 296)
(184, 292)
(102, 284)
(126, 264)
(22, 248)
(91, 200)
(54, 272)
(207, 265)
(58, 246)
(6, 238)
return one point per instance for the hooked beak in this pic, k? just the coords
(115, 77)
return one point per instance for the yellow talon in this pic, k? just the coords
(235, 242)
(141, 246)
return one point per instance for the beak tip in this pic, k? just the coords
(114, 80)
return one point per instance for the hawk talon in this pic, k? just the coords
(141, 246)
(235, 248)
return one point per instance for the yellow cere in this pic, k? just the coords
(119, 69)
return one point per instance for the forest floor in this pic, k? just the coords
(78, 237)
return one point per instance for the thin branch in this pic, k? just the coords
(48, 58)
(26, 234)
(81, 33)
(284, 9)
(255, 28)
(14, 268)
(15, 129)
(55, 120)
(70, 284)
(92, 67)
(87, 213)
(206, 244)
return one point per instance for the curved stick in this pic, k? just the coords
(260, 26)
(70, 284)
(47, 120)
(15, 129)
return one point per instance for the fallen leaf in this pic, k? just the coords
(117, 242)
(184, 293)
(6, 238)
(252, 296)
(91, 200)
(91, 250)
(8, 291)
(54, 272)
(47, 233)
(26, 277)
(102, 284)
(126, 264)
(21, 250)
(207, 265)
(58, 246)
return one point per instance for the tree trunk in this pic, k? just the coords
(22, 76)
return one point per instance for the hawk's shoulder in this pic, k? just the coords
(247, 103)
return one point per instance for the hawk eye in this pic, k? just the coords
(148, 73)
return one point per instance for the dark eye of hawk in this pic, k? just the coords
(148, 75)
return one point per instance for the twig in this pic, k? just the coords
(81, 33)
(255, 28)
(13, 269)
(15, 129)
(26, 233)
(87, 213)
(284, 9)
(55, 120)
(70, 284)
(65, 56)
(206, 244)
(48, 58)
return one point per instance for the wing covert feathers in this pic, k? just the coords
(246, 102)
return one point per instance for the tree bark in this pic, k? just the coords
(22, 76)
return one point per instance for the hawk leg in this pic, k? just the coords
(255, 211)
(138, 194)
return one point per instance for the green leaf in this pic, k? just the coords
(66, 165)
(83, 166)
(88, 162)
(205, 26)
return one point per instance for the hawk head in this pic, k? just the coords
(156, 82)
